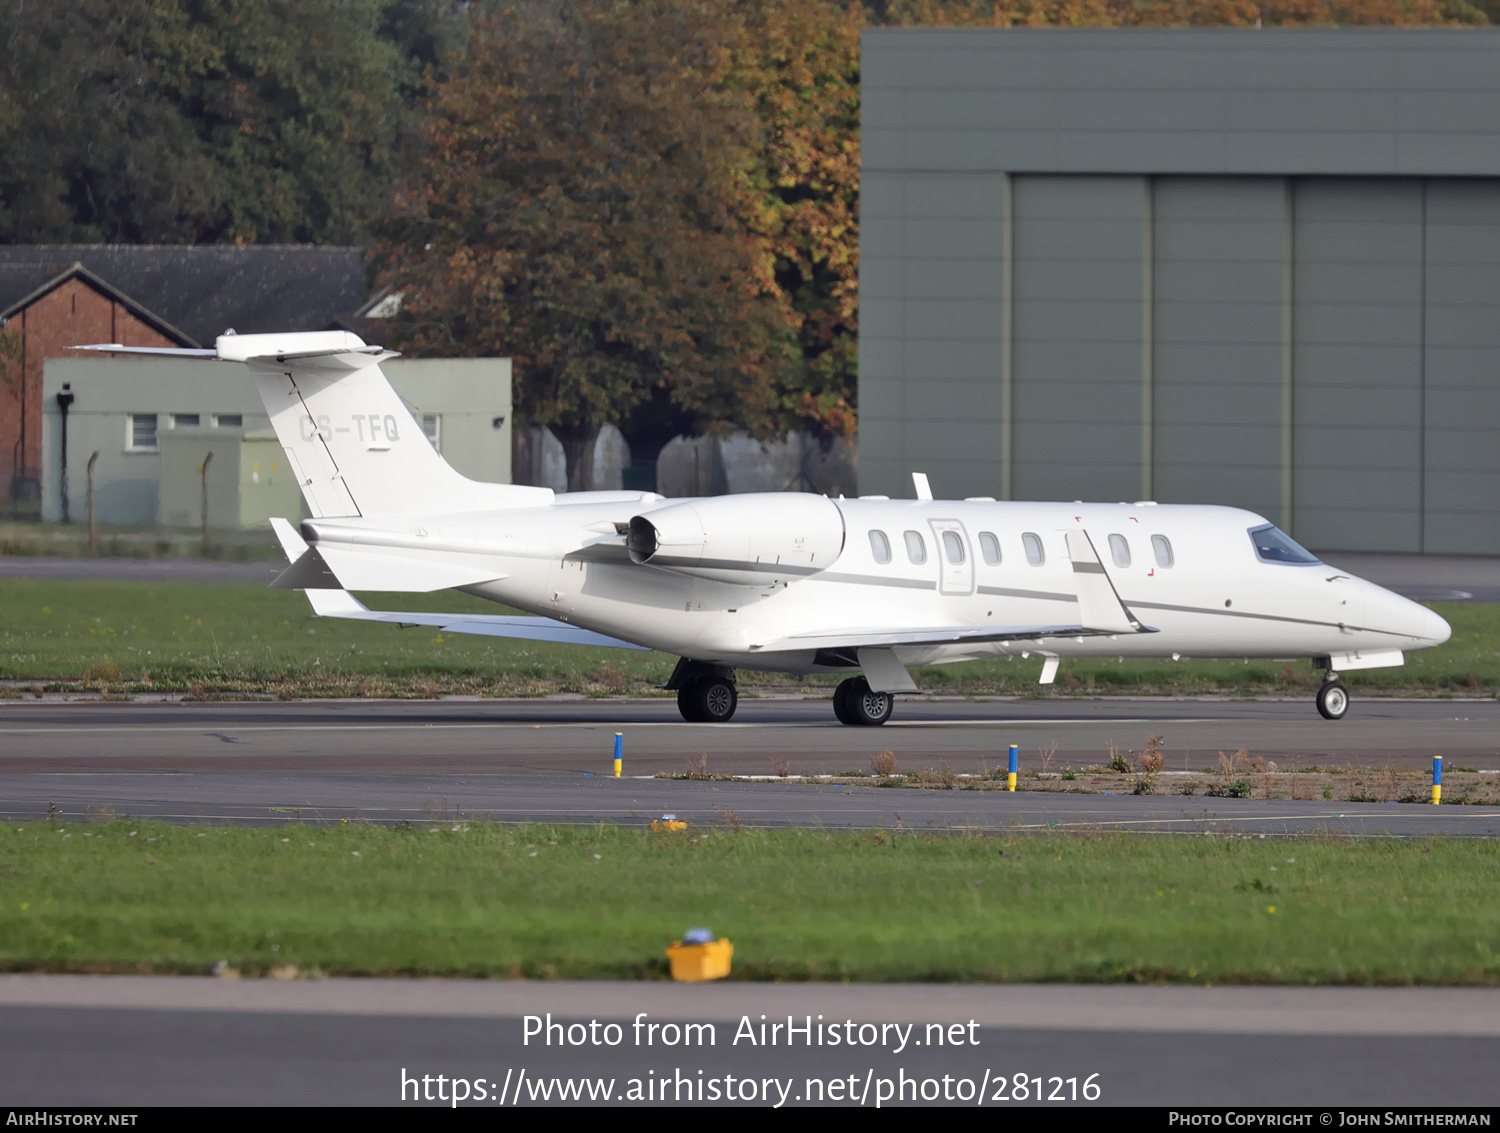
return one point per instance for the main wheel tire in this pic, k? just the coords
(708, 700)
(841, 701)
(1333, 701)
(860, 705)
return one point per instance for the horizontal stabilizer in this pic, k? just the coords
(309, 572)
(292, 544)
(1099, 606)
(160, 351)
(339, 603)
(362, 570)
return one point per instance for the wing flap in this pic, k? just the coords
(359, 570)
(864, 637)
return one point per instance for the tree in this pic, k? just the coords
(584, 183)
(800, 64)
(195, 121)
(1177, 13)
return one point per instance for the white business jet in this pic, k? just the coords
(786, 582)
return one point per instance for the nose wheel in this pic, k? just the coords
(1333, 698)
(855, 703)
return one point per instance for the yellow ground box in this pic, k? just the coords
(666, 825)
(693, 963)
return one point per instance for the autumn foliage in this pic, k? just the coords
(652, 205)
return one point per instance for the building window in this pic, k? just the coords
(1163, 548)
(916, 549)
(432, 428)
(142, 434)
(184, 421)
(1119, 550)
(880, 547)
(229, 420)
(989, 547)
(1035, 555)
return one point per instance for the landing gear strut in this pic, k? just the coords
(858, 705)
(706, 694)
(1333, 697)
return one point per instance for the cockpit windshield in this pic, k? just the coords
(1272, 545)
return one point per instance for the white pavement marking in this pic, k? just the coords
(208, 729)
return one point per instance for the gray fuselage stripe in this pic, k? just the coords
(1042, 595)
(1260, 617)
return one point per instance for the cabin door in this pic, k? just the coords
(955, 557)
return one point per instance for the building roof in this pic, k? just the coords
(198, 292)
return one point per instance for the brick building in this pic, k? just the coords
(56, 296)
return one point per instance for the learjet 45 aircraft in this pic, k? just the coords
(786, 582)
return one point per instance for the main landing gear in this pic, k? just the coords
(855, 703)
(706, 694)
(1333, 697)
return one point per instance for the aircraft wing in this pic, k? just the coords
(867, 637)
(342, 604)
(333, 603)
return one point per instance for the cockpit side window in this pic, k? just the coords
(880, 547)
(1273, 545)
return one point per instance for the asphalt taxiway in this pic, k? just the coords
(551, 761)
(127, 1041)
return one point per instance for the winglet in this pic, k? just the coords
(1099, 605)
(921, 486)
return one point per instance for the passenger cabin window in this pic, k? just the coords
(1119, 550)
(1275, 546)
(1035, 555)
(880, 547)
(916, 549)
(989, 547)
(953, 546)
(1161, 546)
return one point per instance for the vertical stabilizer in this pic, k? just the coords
(354, 445)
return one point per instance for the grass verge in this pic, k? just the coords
(245, 639)
(475, 899)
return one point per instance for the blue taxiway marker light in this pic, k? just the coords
(619, 753)
(1015, 761)
(1437, 779)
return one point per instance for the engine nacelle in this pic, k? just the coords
(750, 540)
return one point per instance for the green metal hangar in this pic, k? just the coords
(1258, 268)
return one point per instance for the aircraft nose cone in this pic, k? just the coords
(1435, 630)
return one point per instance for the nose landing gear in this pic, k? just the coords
(1333, 697)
